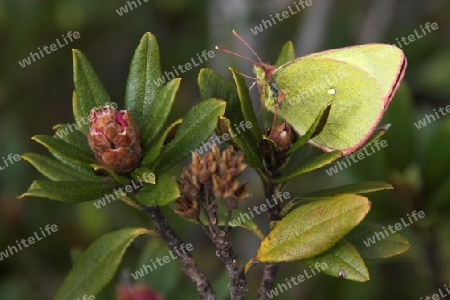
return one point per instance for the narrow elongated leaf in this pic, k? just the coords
(73, 136)
(315, 128)
(252, 154)
(353, 188)
(312, 164)
(287, 54)
(98, 264)
(162, 193)
(144, 79)
(78, 115)
(378, 133)
(55, 170)
(156, 250)
(65, 151)
(154, 152)
(198, 125)
(144, 174)
(67, 154)
(89, 90)
(241, 218)
(342, 260)
(107, 171)
(374, 241)
(246, 104)
(69, 191)
(313, 228)
(156, 113)
(213, 85)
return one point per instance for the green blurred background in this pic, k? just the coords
(34, 98)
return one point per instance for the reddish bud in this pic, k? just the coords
(137, 292)
(282, 136)
(114, 139)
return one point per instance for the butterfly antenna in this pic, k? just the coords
(236, 54)
(247, 45)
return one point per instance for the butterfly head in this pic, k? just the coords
(263, 71)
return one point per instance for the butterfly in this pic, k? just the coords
(360, 81)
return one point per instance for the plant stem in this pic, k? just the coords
(175, 244)
(432, 256)
(270, 269)
(224, 250)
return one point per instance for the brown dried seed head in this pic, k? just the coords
(187, 208)
(217, 172)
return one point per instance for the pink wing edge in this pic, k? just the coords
(386, 101)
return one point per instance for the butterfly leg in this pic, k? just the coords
(280, 97)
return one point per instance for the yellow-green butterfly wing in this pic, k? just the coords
(360, 80)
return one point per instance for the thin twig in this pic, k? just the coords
(224, 250)
(175, 244)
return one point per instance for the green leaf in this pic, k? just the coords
(73, 136)
(144, 78)
(154, 152)
(78, 115)
(312, 164)
(162, 193)
(402, 135)
(198, 125)
(342, 260)
(89, 90)
(246, 104)
(213, 85)
(95, 268)
(64, 151)
(247, 145)
(286, 55)
(366, 241)
(156, 112)
(315, 128)
(241, 218)
(436, 159)
(221, 285)
(67, 154)
(156, 250)
(107, 171)
(144, 174)
(55, 170)
(69, 191)
(377, 134)
(353, 188)
(313, 228)
(438, 198)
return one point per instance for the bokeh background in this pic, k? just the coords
(34, 98)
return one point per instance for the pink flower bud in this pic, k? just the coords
(137, 292)
(114, 139)
(282, 135)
